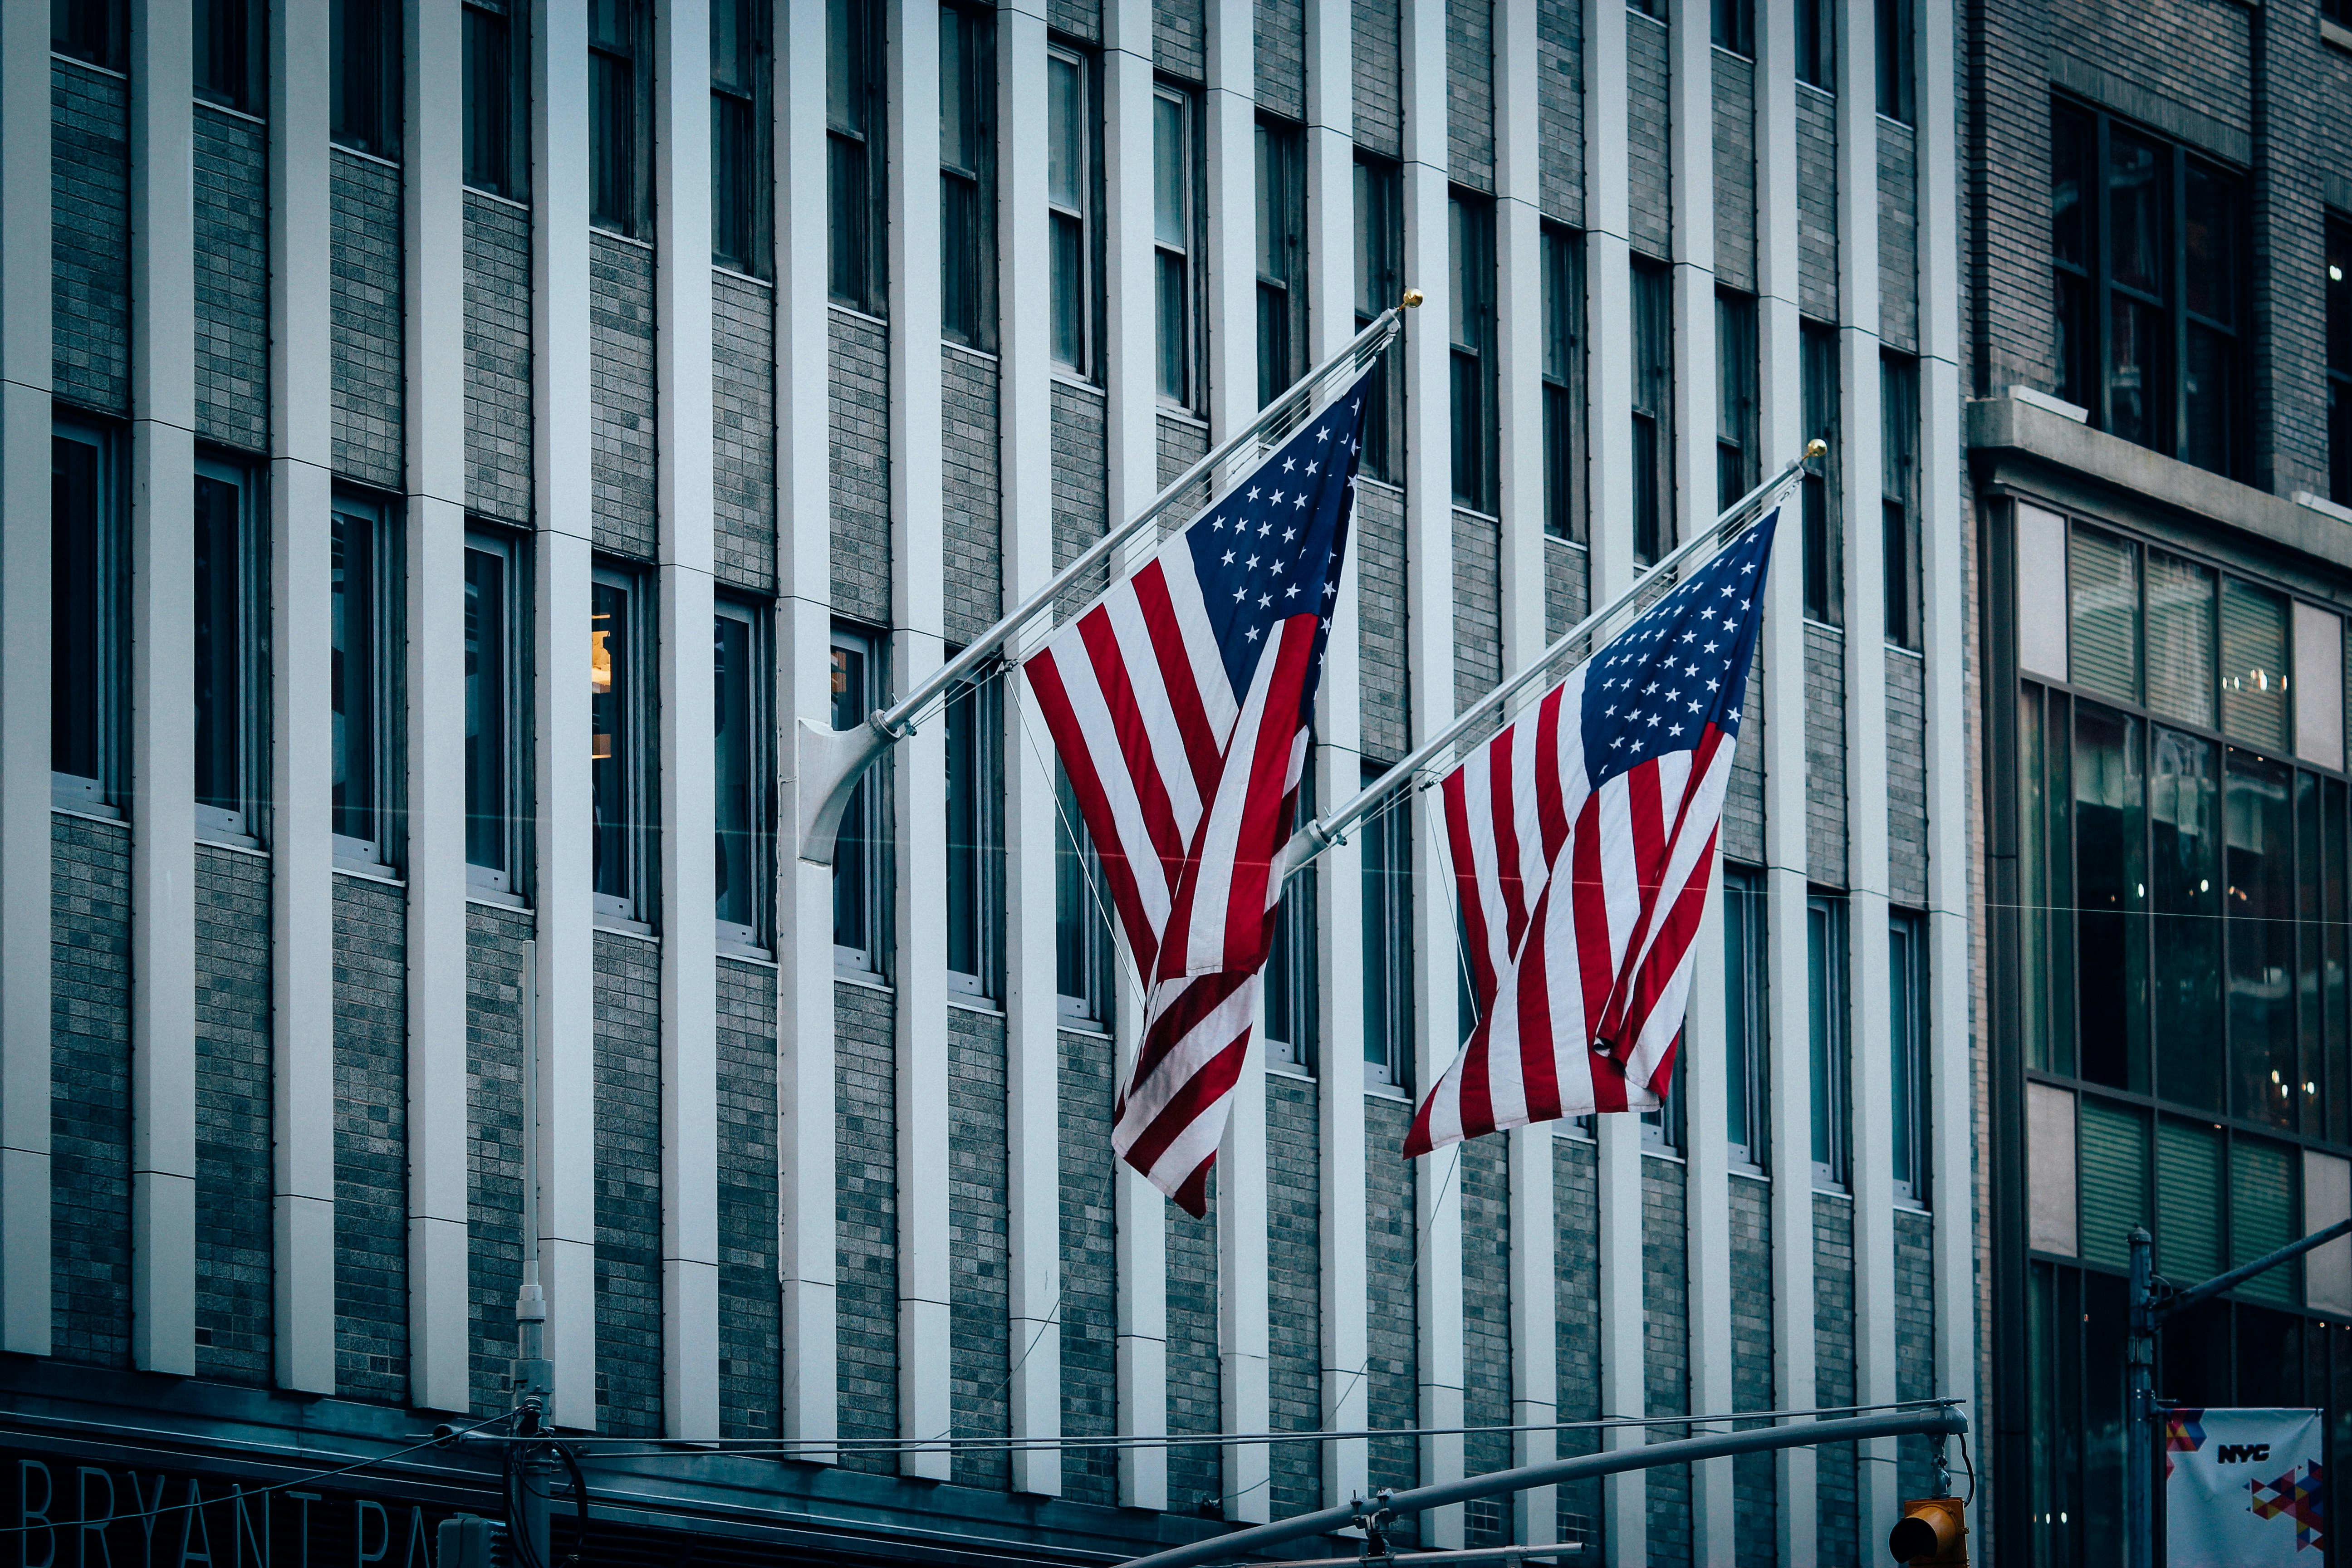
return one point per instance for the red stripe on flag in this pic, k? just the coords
(1264, 803)
(1202, 747)
(1454, 792)
(1094, 805)
(1133, 733)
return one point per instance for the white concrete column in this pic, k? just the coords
(563, 885)
(919, 770)
(689, 944)
(1132, 460)
(434, 236)
(1690, 162)
(25, 877)
(163, 699)
(1706, 1218)
(1032, 1012)
(299, 832)
(805, 1018)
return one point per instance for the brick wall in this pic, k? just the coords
(1559, 108)
(2143, 46)
(970, 524)
(234, 1216)
(1294, 1264)
(1824, 755)
(1666, 1345)
(1196, 1472)
(1485, 1178)
(1078, 19)
(743, 431)
(1906, 779)
(497, 358)
(89, 1091)
(1743, 801)
(1089, 1281)
(1576, 1324)
(1378, 544)
(1470, 92)
(627, 1011)
(1566, 569)
(2007, 115)
(1915, 1343)
(1280, 56)
(750, 1333)
(371, 1141)
(1478, 607)
(366, 318)
(980, 1362)
(621, 394)
(1647, 117)
(1898, 237)
(866, 1218)
(495, 986)
(1180, 38)
(1840, 1544)
(1375, 41)
(860, 463)
(1081, 474)
(1753, 1487)
(1391, 1335)
(1817, 239)
(232, 178)
(1734, 171)
(89, 248)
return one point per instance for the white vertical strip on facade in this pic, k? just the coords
(919, 771)
(805, 1018)
(1519, 337)
(299, 831)
(690, 947)
(25, 875)
(1429, 659)
(1860, 456)
(163, 698)
(1780, 423)
(1032, 1041)
(1944, 602)
(1715, 1519)
(433, 233)
(1338, 1056)
(1132, 460)
(563, 888)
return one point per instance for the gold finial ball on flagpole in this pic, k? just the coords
(1412, 298)
(1816, 447)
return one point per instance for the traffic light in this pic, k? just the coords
(467, 1541)
(1932, 1533)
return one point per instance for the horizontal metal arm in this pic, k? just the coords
(2198, 1295)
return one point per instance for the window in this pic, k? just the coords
(365, 39)
(1470, 234)
(498, 634)
(975, 836)
(231, 675)
(98, 31)
(1387, 840)
(860, 894)
(87, 575)
(740, 79)
(968, 175)
(1746, 1040)
(1897, 72)
(1281, 258)
(1898, 505)
(1735, 397)
(1379, 284)
(228, 40)
(1817, 44)
(1082, 954)
(621, 740)
(2340, 361)
(620, 103)
(1069, 199)
(2144, 246)
(1563, 383)
(363, 675)
(741, 765)
(1831, 1067)
(1734, 26)
(1175, 223)
(1817, 350)
(852, 121)
(1293, 1017)
(1906, 986)
(1653, 417)
(497, 97)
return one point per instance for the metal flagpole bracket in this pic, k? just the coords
(830, 762)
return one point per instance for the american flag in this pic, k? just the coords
(1180, 702)
(1581, 838)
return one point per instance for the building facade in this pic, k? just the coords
(416, 381)
(2157, 320)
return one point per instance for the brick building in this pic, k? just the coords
(493, 349)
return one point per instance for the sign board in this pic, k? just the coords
(2242, 1489)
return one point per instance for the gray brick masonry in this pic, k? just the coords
(497, 358)
(1906, 779)
(1824, 755)
(859, 362)
(1753, 1487)
(1559, 108)
(980, 1361)
(969, 522)
(1280, 56)
(89, 1091)
(1817, 246)
(90, 253)
(232, 175)
(1576, 1325)
(865, 1217)
(1293, 1275)
(1734, 171)
(621, 394)
(1089, 1282)
(366, 313)
(495, 983)
(1180, 38)
(751, 1337)
(1478, 607)
(1470, 93)
(1196, 1473)
(1665, 1349)
(1183, 441)
(1379, 543)
(1081, 472)
(1080, 19)
(371, 1141)
(743, 431)
(234, 1214)
(1898, 237)
(1391, 1373)
(1379, 76)
(1650, 214)
(1565, 568)
(1915, 1343)
(1485, 1178)
(1840, 1544)
(1743, 804)
(628, 1187)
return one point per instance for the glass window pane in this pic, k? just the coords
(963, 826)
(350, 677)
(219, 676)
(734, 815)
(2264, 1215)
(2103, 584)
(76, 608)
(2207, 380)
(1172, 323)
(2112, 1172)
(2134, 364)
(2180, 639)
(610, 681)
(2189, 897)
(1171, 200)
(2208, 241)
(2069, 145)
(2110, 891)
(2260, 842)
(2253, 664)
(2134, 212)
(2187, 1200)
(486, 728)
(1069, 291)
(955, 153)
(1066, 125)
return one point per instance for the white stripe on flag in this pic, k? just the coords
(1149, 680)
(1093, 716)
(1200, 639)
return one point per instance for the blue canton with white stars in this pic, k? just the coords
(1682, 667)
(1271, 547)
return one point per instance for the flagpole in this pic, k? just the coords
(1331, 828)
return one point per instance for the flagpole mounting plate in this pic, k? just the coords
(830, 764)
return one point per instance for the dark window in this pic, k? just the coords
(1745, 1033)
(975, 876)
(366, 97)
(1387, 840)
(1824, 535)
(98, 31)
(853, 119)
(1563, 383)
(741, 766)
(2145, 256)
(1656, 8)
(968, 176)
(1733, 24)
(1175, 228)
(228, 41)
(621, 742)
(1082, 955)
(498, 94)
(86, 579)
(1070, 132)
(2340, 361)
(1817, 43)
(1470, 233)
(620, 88)
(1897, 72)
(861, 899)
(498, 628)
(363, 676)
(1735, 397)
(1653, 410)
(1281, 258)
(1830, 1045)
(740, 78)
(1899, 471)
(1380, 285)
(1908, 1078)
(1293, 1013)
(230, 675)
